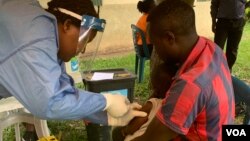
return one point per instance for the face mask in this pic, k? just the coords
(91, 30)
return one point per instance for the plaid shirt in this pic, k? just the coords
(201, 98)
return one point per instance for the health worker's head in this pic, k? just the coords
(69, 15)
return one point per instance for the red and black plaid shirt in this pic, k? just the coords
(201, 98)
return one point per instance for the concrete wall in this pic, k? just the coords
(120, 14)
(203, 19)
(118, 34)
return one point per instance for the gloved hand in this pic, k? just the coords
(116, 104)
(137, 122)
(124, 120)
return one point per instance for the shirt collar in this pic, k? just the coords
(191, 59)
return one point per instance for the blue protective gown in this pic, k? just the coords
(31, 71)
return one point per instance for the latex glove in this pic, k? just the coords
(137, 122)
(116, 105)
(124, 120)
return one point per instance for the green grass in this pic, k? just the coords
(75, 130)
(242, 65)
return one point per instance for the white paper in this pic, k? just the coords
(102, 76)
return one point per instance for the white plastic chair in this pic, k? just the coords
(12, 113)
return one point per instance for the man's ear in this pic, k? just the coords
(169, 36)
(66, 25)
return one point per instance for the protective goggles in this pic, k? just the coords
(91, 30)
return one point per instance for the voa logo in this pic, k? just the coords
(236, 132)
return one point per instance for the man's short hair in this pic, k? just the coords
(172, 15)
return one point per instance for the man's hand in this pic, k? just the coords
(124, 120)
(116, 104)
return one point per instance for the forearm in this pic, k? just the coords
(137, 122)
(82, 105)
(46, 92)
(158, 130)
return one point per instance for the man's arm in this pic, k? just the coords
(168, 122)
(158, 131)
(137, 122)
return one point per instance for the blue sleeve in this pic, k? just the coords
(33, 75)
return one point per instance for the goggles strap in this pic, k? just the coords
(70, 13)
